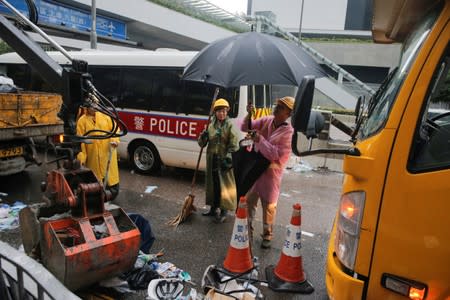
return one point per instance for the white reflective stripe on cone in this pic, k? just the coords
(239, 239)
(292, 243)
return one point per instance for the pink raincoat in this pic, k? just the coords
(275, 145)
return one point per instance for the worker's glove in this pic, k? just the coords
(204, 135)
(226, 163)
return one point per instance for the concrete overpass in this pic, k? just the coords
(151, 26)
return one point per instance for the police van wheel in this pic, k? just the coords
(145, 158)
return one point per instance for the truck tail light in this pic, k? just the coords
(348, 225)
(58, 139)
(406, 287)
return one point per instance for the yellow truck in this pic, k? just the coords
(25, 116)
(391, 235)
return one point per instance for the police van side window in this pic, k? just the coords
(136, 88)
(107, 81)
(198, 98)
(431, 146)
(166, 90)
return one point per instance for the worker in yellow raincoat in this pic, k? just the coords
(95, 156)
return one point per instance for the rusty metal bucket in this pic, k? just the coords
(79, 257)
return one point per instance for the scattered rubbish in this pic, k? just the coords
(139, 278)
(285, 195)
(147, 269)
(184, 276)
(4, 212)
(169, 270)
(217, 283)
(150, 188)
(169, 288)
(144, 258)
(214, 294)
(302, 167)
(166, 269)
(69, 237)
(100, 230)
(113, 282)
(9, 215)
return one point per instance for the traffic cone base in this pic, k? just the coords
(280, 285)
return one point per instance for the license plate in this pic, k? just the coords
(11, 152)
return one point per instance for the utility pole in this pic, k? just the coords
(94, 25)
(300, 25)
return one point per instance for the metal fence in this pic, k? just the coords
(23, 278)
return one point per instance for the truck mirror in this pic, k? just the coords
(315, 124)
(303, 102)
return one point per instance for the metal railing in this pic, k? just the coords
(21, 277)
(261, 20)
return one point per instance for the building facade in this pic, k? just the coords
(340, 18)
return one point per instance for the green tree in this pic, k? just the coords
(4, 47)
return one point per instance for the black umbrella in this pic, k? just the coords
(251, 58)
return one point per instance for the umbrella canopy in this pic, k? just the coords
(251, 58)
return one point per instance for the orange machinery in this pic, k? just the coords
(73, 234)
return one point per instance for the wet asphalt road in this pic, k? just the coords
(199, 242)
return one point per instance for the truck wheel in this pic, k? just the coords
(145, 158)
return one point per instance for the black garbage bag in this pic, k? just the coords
(248, 166)
(139, 278)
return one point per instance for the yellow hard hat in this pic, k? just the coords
(221, 103)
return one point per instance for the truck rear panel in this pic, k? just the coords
(29, 114)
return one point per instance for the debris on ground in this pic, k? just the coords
(9, 215)
(150, 188)
(302, 167)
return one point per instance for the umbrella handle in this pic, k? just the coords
(249, 121)
(211, 111)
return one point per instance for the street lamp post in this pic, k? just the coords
(300, 25)
(94, 25)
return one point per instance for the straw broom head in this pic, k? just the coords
(187, 210)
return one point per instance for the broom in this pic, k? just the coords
(188, 205)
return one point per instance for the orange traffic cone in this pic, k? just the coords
(288, 275)
(239, 258)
